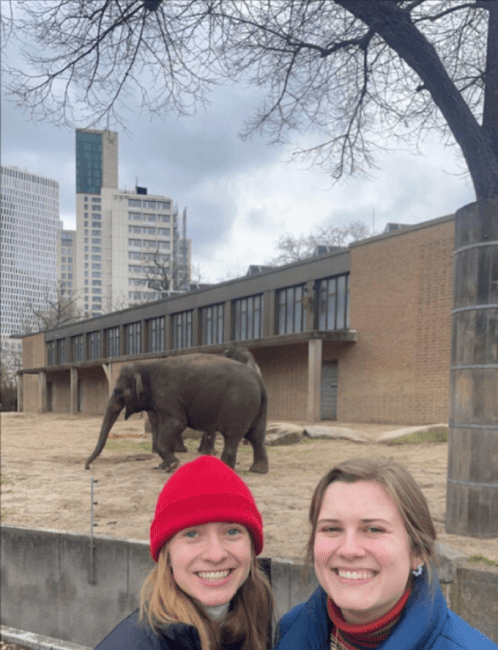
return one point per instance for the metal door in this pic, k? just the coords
(328, 391)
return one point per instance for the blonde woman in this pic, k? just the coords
(207, 591)
(372, 545)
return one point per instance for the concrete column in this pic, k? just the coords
(42, 391)
(73, 389)
(20, 393)
(472, 488)
(315, 347)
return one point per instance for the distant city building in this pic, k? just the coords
(66, 262)
(126, 240)
(30, 226)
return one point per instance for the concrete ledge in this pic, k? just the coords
(36, 641)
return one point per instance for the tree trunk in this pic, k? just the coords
(490, 110)
(396, 28)
(472, 488)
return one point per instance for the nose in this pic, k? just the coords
(350, 545)
(214, 548)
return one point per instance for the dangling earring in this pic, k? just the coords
(418, 571)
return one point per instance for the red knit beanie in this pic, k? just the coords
(200, 492)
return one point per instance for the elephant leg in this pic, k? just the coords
(229, 453)
(206, 445)
(256, 436)
(169, 431)
(153, 426)
(180, 445)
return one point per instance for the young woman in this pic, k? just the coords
(372, 545)
(207, 590)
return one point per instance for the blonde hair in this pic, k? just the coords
(401, 487)
(248, 621)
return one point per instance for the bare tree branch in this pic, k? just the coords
(361, 75)
(293, 249)
(55, 310)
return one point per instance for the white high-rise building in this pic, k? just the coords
(30, 226)
(124, 239)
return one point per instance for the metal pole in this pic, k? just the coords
(92, 580)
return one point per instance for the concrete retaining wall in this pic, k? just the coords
(50, 587)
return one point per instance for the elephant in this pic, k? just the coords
(238, 353)
(202, 391)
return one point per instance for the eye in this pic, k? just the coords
(375, 529)
(191, 534)
(330, 529)
(233, 531)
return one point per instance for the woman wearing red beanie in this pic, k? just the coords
(206, 591)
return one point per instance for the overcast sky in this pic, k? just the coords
(241, 196)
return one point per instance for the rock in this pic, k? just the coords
(283, 427)
(335, 433)
(283, 433)
(283, 438)
(415, 435)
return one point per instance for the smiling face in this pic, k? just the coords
(211, 561)
(362, 552)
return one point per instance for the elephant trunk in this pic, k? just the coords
(111, 415)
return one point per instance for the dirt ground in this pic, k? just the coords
(45, 485)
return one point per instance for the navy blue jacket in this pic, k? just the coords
(132, 635)
(426, 624)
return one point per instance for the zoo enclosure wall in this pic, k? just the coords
(54, 586)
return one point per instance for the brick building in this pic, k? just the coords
(361, 334)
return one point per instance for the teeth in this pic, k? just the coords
(213, 575)
(355, 575)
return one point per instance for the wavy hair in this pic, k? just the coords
(248, 622)
(401, 487)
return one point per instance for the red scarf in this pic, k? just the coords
(367, 635)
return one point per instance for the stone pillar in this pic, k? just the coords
(314, 378)
(73, 389)
(20, 393)
(42, 391)
(472, 487)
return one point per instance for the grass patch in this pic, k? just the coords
(123, 444)
(482, 559)
(4, 481)
(437, 434)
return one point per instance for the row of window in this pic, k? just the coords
(148, 230)
(330, 304)
(138, 216)
(147, 203)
